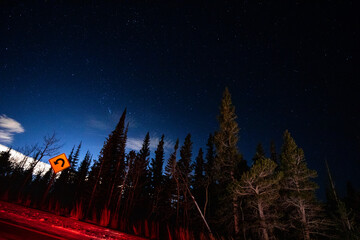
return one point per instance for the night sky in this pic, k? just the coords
(73, 68)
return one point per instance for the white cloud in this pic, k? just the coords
(136, 143)
(168, 144)
(97, 124)
(8, 127)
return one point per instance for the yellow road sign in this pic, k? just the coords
(59, 163)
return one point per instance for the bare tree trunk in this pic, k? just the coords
(185, 215)
(243, 221)
(197, 206)
(206, 198)
(263, 222)
(131, 195)
(178, 200)
(304, 222)
(235, 210)
(236, 217)
(122, 188)
(48, 189)
(94, 189)
(113, 184)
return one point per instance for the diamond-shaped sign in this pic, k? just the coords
(59, 163)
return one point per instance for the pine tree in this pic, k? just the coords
(226, 162)
(172, 191)
(113, 159)
(64, 175)
(75, 159)
(44, 185)
(72, 171)
(142, 161)
(5, 170)
(209, 185)
(259, 154)
(102, 175)
(157, 180)
(5, 164)
(352, 201)
(338, 210)
(62, 184)
(260, 188)
(138, 200)
(185, 168)
(170, 166)
(118, 164)
(199, 171)
(82, 174)
(127, 184)
(184, 163)
(298, 190)
(156, 165)
(210, 158)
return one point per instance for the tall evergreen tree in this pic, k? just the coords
(172, 190)
(339, 213)
(210, 186)
(352, 201)
(210, 158)
(119, 165)
(170, 166)
(63, 179)
(5, 169)
(139, 199)
(199, 171)
(142, 162)
(127, 185)
(299, 191)
(156, 165)
(260, 186)
(80, 178)
(62, 189)
(44, 186)
(185, 168)
(156, 168)
(113, 157)
(184, 163)
(75, 159)
(5, 164)
(72, 171)
(226, 162)
(104, 170)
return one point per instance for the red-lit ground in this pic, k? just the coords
(63, 227)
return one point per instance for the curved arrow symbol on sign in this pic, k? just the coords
(57, 161)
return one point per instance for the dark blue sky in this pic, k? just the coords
(73, 69)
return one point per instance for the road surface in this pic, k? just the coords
(12, 231)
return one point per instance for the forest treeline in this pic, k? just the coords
(209, 194)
